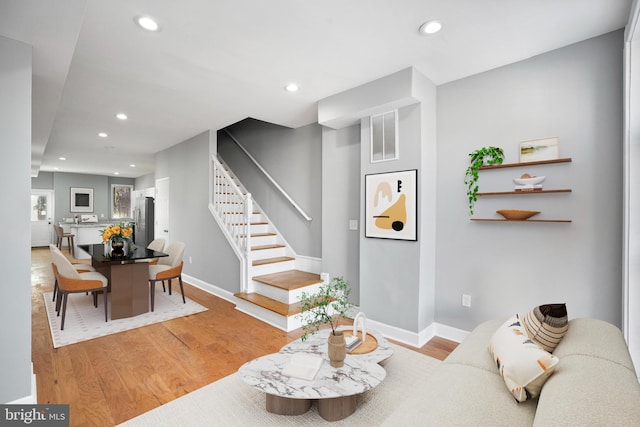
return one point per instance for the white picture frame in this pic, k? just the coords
(81, 199)
(539, 150)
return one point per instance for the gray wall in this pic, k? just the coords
(145, 181)
(62, 183)
(15, 256)
(293, 158)
(574, 93)
(340, 190)
(190, 221)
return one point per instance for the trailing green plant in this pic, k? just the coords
(325, 307)
(488, 155)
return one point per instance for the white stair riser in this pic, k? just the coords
(263, 240)
(268, 253)
(255, 228)
(274, 267)
(282, 295)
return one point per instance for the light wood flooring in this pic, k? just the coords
(111, 379)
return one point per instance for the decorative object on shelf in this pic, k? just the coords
(325, 308)
(118, 235)
(391, 208)
(539, 149)
(517, 214)
(527, 182)
(490, 155)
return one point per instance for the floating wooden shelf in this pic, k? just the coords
(520, 220)
(499, 193)
(513, 165)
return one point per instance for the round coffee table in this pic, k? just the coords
(335, 389)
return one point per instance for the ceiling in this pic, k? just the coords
(214, 63)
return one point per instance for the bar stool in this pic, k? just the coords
(61, 235)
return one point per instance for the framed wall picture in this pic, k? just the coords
(81, 199)
(391, 205)
(539, 149)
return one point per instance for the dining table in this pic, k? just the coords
(128, 276)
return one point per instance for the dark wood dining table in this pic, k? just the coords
(128, 276)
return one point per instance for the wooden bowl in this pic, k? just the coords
(517, 214)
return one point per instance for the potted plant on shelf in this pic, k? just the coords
(480, 157)
(326, 307)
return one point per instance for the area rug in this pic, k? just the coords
(231, 402)
(84, 321)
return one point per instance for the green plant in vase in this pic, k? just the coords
(480, 157)
(325, 307)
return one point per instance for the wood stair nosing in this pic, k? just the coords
(264, 247)
(270, 304)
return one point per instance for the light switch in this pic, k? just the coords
(353, 224)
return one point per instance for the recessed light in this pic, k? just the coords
(132, 165)
(147, 23)
(291, 87)
(121, 116)
(62, 158)
(102, 134)
(116, 173)
(56, 169)
(430, 27)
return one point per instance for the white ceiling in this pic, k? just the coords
(217, 62)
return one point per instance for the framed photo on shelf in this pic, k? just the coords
(391, 205)
(539, 149)
(81, 200)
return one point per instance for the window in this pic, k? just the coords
(121, 201)
(384, 141)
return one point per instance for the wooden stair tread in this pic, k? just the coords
(272, 260)
(289, 280)
(262, 247)
(270, 304)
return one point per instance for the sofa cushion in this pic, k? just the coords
(523, 365)
(546, 325)
(472, 350)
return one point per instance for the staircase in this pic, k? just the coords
(271, 281)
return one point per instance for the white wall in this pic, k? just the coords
(574, 93)
(15, 255)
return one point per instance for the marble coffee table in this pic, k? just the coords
(317, 344)
(335, 389)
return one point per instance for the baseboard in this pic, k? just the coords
(413, 339)
(208, 287)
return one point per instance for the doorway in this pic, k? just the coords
(41, 217)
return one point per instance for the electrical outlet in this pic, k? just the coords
(466, 300)
(353, 224)
(190, 260)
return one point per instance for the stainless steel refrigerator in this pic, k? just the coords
(144, 220)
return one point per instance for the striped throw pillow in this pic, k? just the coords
(546, 325)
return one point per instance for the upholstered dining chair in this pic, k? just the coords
(167, 268)
(70, 281)
(158, 246)
(61, 235)
(79, 267)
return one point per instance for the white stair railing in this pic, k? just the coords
(233, 209)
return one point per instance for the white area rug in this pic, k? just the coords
(231, 402)
(84, 321)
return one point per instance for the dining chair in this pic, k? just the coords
(70, 281)
(61, 235)
(158, 246)
(167, 268)
(78, 266)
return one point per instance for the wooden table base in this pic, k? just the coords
(287, 406)
(331, 409)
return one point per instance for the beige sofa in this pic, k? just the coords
(594, 384)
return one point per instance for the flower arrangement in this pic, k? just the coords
(327, 306)
(117, 233)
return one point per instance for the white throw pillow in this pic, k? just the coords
(523, 365)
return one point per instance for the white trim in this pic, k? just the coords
(209, 288)
(307, 263)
